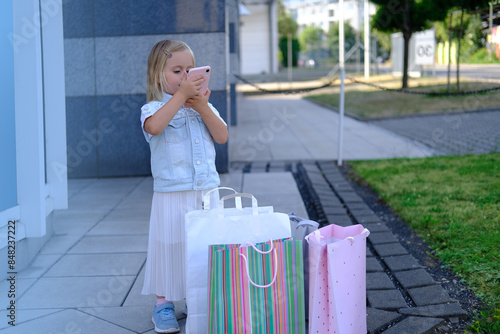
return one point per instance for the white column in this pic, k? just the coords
(342, 79)
(367, 39)
(55, 104)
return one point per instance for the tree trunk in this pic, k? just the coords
(450, 33)
(407, 31)
(406, 55)
(460, 34)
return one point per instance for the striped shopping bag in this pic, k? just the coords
(256, 288)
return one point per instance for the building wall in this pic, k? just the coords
(8, 194)
(106, 44)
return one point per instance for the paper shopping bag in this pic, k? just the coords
(222, 225)
(337, 281)
(256, 288)
(301, 227)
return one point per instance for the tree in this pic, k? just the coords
(311, 39)
(464, 5)
(408, 16)
(332, 38)
(287, 27)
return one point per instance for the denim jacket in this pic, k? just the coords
(183, 155)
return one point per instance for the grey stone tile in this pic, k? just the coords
(376, 227)
(121, 227)
(438, 311)
(378, 281)
(382, 238)
(120, 155)
(429, 295)
(414, 278)
(78, 19)
(59, 244)
(21, 286)
(373, 265)
(415, 325)
(121, 62)
(68, 321)
(390, 249)
(23, 316)
(79, 69)
(367, 219)
(334, 211)
(80, 119)
(111, 244)
(349, 197)
(376, 319)
(386, 299)
(341, 220)
(38, 266)
(134, 318)
(401, 262)
(68, 292)
(97, 265)
(135, 297)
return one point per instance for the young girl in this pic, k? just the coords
(180, 126)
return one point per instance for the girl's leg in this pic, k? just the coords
(161, 300)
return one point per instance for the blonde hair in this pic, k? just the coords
(158, 57)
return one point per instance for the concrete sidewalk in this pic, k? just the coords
(88, 277)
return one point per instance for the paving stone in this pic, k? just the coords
(340, 186)
(362, 212)
(382, 237)
(354, 205)
(401, 262)
(429, 295)
(259, 166)
(438, 311)
(376, 319)
(367, 219)
(332, 210)
(390, 249)
(378, 281)
(386, 299)
(373, 265)
(369, 252)
(351, 197)
(376, 227)
(341, 220)
(414, 278)
(415, 325)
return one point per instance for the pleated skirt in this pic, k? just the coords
(165, 272)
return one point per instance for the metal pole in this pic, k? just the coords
(342, 77)
(290, 59)
(490, 53)
(367, 39)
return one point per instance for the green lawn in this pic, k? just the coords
(453, 203)
(370, 103)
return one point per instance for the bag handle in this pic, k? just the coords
(206, 198)
(237, 196)
(317, 235)
(261, 252)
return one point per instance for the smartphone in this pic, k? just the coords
(203, 70)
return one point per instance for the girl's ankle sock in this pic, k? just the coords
(160, 301)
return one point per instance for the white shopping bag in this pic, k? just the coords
(222, 226)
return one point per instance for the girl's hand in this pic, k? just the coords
(199, 102)
(190, 87)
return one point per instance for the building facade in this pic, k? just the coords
(73, 81)
(324, 13)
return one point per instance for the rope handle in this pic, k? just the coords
(261, 252)
(206, 198)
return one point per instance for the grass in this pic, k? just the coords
(371, 103)
(453, 203)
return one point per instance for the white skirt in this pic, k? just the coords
(165, 272)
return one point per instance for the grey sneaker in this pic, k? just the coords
(164, 319)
